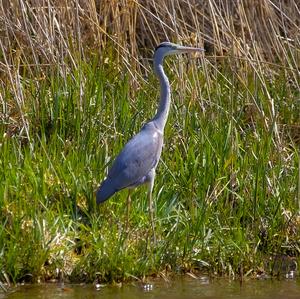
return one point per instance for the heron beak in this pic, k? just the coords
(182, 49)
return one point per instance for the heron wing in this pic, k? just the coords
(137, 158)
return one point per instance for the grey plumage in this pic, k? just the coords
(136, 163)
(132, 167)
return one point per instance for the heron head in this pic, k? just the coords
(167, 48)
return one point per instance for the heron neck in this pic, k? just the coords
(164, 105)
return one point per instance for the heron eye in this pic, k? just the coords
(161, 46)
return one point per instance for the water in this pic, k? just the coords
(177, 289)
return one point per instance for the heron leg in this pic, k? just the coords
(151, 178)
(128, 209)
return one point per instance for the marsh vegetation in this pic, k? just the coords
(76, 84)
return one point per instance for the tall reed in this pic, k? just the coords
(76, 84)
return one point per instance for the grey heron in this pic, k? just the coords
(137, 162)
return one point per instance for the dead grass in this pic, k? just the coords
(260, 37)
(246, 95)
(51, 32)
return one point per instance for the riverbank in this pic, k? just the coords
(227, 187)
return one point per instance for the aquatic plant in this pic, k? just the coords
(76, 84)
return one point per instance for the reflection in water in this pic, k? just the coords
(177, 289)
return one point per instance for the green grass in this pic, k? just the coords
(226, 191)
